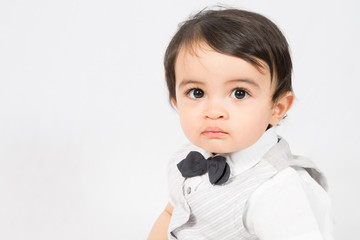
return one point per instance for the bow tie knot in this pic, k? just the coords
(195, 165)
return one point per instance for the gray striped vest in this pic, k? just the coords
(206, 214)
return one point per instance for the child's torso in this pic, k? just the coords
(216, 212)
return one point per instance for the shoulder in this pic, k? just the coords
(285, 184)
(290, 198)
(281, 157)
(288, 181)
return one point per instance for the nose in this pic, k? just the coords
(215, 110)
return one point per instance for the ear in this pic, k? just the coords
(280, 108)
(174, 102)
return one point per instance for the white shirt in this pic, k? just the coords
(291, 205)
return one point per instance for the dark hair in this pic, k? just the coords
(238, 33)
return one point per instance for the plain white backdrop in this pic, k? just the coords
(86, 129)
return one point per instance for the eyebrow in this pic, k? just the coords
(249, 81)
(186, 82)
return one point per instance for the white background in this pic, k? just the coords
(86, 129)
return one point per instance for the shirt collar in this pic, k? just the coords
(246, 158)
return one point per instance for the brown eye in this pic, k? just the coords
(239, 93)
(196, 93)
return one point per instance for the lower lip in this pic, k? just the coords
(214, 134)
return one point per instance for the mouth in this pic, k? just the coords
(214, 132)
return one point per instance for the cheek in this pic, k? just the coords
(254, 117)
(188, 118)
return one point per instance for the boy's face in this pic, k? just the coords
(224, 103)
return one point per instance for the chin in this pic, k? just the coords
(216, 149)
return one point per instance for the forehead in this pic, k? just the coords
(202, 63)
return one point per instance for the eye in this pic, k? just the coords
(195, 93)
(239, 93)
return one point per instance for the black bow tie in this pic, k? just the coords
(195, 165)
